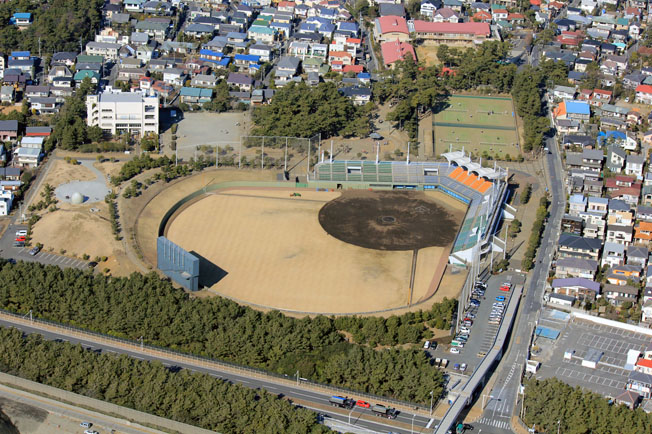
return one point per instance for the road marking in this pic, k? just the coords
(430, 422)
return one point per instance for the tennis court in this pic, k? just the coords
(477, 123)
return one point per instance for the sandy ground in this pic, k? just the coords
(148, 209)
(108, 168)
(78, 230)
(427, 54)
(281, 239)
(61, 173)
(32, 420)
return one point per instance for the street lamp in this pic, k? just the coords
(432, 394)
(412, 427)
(483, 397)
(350, 412)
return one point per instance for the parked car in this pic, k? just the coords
(19, 244)
(21, 233)
(21, 238)
(426, 345)
(500, 298)
(86, 424)
(454, 350)
(35, 250)
(463, 367)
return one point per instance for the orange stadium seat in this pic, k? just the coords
(478, 182)
(463, 176)
(484, 187)
(456, 172)
(470, 180)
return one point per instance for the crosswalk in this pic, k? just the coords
(502, 424)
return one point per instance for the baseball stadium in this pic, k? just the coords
(359, 237)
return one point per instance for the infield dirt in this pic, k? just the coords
(274, 252)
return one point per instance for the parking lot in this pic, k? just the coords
(8, 251)
(609, 377)
(482, 334)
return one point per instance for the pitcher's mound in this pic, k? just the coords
(389, 220)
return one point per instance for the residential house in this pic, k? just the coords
(612, 254)
(577, 110)
(580, 288)
(7, 94)
(643, 233)
(637, 255)
(573, 246)
(195, 95)
(43, 106)
(204, 80)
(577, 204)
(572, 224)
(396, 50)
(358, 94)
(615, 158)
(264, 52)
(174, 76)
(644, 94)
(634, 165)
(621, 274)
(8, 130)
(619, 294)
(619, 234)
(576, 267)
(640, 383)
(241, 81)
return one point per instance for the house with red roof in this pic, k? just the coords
(453, 33)
(600, 96)
(391, 28)
(396, 50)
(644, 93)
(353, 68)
(515, 18)
(481, 17)
(342, 58)
(499, 14)
(644, 365)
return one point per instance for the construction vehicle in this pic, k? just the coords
(382, 411)
(342, 402)
(295, 195)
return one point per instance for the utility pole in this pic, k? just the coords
(431, 398)
(297, 377)
(142, 343)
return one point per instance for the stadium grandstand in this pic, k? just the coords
(482, 189)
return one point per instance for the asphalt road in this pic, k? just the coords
(304, 397)
(502, 399)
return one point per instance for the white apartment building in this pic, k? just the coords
(6, 199)
(107, 49)
(123, 112)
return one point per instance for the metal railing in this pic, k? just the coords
(200, 361)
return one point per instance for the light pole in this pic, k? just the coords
(432, 395)
(297, 378)
(351, 412)
(412, 427)
(483, 397)
(558, 425)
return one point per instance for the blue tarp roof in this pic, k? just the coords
(23, 15)
(247, 57)
(578, 107)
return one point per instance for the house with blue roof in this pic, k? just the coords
(245, 61)
(210, 55)
(326, 30)
(348, 27)
(319, 21)
(578, 110)
(307, 27)
(195, 95)
(20, 55)
(284, 29)
(21, 19)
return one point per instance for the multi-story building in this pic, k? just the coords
(118, 112)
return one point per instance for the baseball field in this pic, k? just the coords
(272, 249)
(477, 123)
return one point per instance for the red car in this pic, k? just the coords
(505, 288)
(363, 404)
(20, 239)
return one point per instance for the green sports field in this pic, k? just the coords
(478, 124)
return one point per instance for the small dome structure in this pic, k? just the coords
(76, 198)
